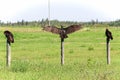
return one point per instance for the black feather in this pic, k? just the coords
(108, 35)
(62, 31)
(9, 36)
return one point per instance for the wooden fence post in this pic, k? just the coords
(8, 54)
(62, 51)
(108, 51)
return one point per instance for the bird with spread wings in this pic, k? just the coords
(9, 36)
(62, 31)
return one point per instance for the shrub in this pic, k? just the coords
(20, 66)
(90, 48)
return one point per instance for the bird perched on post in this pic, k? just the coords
(108, 35)
(9, 36)
(62, 31)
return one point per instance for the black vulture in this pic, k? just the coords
(62, 31)
(9, 36)
(108, 35)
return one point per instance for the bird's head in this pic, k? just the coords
(107, 29)
(62, 26)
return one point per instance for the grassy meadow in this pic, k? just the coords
(36, 55)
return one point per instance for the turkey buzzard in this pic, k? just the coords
(62, 31)
(108, 35)
(9, 36)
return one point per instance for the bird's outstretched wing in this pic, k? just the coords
(52, 29)
(72, 28)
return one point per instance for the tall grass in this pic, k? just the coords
(36, 55)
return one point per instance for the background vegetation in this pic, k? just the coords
(36, 54)
(44, 22)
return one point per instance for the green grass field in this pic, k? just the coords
(36, 55)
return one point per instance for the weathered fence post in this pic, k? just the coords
(8, 54)
(108, 50)
(108, 38)
(9, 40)
(62, 51)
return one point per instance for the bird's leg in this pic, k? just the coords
(62, 39)
(108, 40)
(8, 42)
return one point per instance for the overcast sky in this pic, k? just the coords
(64, 10)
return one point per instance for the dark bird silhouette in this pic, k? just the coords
(108, 35)
(9, 36)
(62, 31)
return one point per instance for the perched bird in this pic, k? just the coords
(62, 31)
(9, 36)
(108, 35)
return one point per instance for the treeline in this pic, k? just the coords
(40, 23)
(44, 22)
(115, 23)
